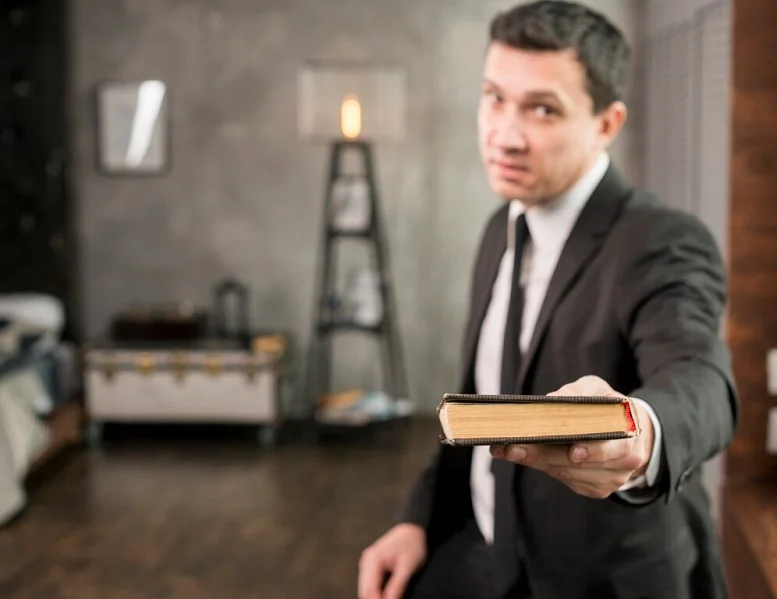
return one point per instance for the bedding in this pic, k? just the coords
(23, 435)
(38, 371)
(12, 496)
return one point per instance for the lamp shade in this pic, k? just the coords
(351, 101)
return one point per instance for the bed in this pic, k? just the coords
(39, 391)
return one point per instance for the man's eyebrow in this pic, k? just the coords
(543, 95)
(539, 95)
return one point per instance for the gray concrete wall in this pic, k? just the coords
(689, 41)
(664, 14)
(244, 195)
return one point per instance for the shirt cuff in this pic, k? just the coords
(650, 477)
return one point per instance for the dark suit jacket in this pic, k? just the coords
(636, 298)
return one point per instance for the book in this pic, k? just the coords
(469, 419)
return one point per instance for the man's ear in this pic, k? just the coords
(611, 121)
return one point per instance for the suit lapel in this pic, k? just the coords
(586, 237)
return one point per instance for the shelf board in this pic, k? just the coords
(349, 326)
(364, 234)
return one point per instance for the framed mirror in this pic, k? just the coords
(133, 130)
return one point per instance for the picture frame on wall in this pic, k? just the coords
(133, 128)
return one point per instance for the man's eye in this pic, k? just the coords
(493, 96)
(544, 111)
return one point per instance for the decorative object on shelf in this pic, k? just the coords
(344, 104)
(274, 345)
(133, 128)
(350, 205)
(231, 310)
(363, 301)
(357, 407)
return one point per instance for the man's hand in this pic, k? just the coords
(593, 469)
(398, 553)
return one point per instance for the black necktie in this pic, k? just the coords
(511, 351)
(507, 546)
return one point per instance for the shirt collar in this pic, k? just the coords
(551, 223)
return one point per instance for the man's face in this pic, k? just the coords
(537, 130)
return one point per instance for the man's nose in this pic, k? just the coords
(509, 132)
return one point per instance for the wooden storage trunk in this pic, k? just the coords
(208, 382)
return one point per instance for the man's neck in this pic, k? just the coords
(596, 162)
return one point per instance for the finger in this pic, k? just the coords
(370, 576)
(600, 453)
(395, 588)
(498, 451)
(538, 455)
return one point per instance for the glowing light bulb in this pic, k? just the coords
(351, 117)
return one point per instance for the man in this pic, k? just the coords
(583, 285)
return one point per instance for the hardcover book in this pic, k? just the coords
(469, 419)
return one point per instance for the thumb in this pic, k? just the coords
(593, 385)
(568, 389)
(399, 578)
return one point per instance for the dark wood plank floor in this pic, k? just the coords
(150, 517)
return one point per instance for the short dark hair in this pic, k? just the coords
(555, 25)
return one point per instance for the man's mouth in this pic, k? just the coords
(508, 169)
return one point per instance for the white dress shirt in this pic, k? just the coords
(549, 227)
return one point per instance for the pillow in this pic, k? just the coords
(34, 312)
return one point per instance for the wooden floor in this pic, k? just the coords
(147, 516)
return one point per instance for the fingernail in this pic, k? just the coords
(498, 451)
(579, 454)
(517, 453)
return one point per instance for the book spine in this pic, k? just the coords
(534, 440)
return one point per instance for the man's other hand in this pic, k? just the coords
(397, 554)
(592, 469)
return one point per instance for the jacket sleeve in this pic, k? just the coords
(417, 507)
(674, 293)
(439, 502)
